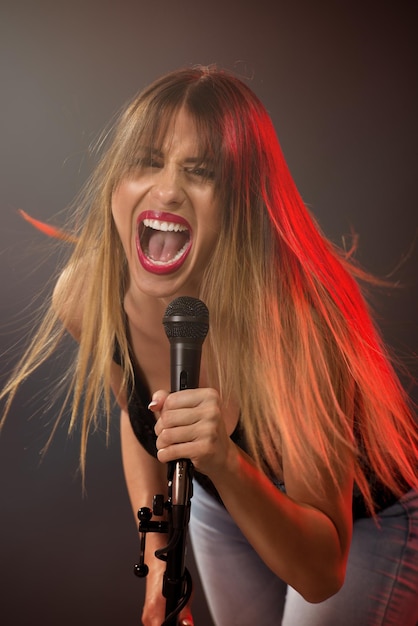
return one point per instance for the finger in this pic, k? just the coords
(192, 450)
(170, 419)
(157, 400)
(171, 436)
(186, 398)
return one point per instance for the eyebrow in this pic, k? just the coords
(158, 153)
(194, 160)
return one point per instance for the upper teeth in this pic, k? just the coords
(165, 226)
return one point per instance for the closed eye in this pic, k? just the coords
(148, 159)
(152, 162)
(201, 171)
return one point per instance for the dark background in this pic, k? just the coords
(339, 79)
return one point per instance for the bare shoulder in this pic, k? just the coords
(69, 296)
(68, 299)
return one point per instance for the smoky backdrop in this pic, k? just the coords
(340, 82)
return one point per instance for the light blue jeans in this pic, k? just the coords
(381, 586)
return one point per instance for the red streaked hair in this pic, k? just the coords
(47, 229)
(291, 337)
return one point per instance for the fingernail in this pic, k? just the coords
(151, 405)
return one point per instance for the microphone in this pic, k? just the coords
(186, 323)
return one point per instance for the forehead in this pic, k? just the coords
(166, 131)
(179, 136)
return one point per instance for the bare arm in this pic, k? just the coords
(303, 539)
(145, 477)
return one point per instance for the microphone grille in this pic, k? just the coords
(187, 318)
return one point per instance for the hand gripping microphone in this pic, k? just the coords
(186, 323)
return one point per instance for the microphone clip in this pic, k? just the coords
(146, 525)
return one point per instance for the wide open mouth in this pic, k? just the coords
(163, 241)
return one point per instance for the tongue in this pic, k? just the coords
(164, 246)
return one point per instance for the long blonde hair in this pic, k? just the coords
(290, 334)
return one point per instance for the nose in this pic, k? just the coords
(167, 188)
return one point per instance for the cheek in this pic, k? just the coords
(213, 223)
(121, 220)
(125, 198)
(116, 212)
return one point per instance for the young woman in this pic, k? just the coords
(305, 508)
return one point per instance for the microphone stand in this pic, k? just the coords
(177, 582)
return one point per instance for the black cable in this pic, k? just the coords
(188, 583)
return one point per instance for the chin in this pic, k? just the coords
(166, 285)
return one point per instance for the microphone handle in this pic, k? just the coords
(185, 358)
(184, 364)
